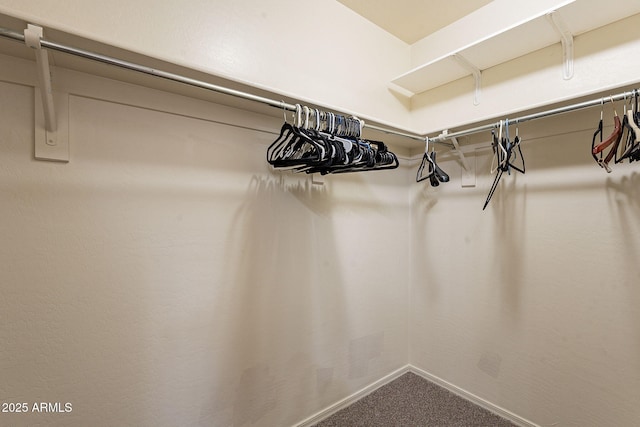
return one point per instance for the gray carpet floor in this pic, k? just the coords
(412, 401)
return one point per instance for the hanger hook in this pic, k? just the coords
(305, 111)
(297, 117)
(614, 105)
(507, 129)
(601, 108)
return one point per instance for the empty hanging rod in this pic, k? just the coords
(4, 32)
(540, 115)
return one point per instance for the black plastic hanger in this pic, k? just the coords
(435, 174)
(425, 162)
(512, 154)
(596, 133)
(438, 173)
(505, 152)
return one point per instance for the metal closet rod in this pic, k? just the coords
(592, 103)
(441, 138)
(4, 32)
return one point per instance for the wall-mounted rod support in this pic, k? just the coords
(32, 38)
(460, 154)
(475, 71)
(566, 38)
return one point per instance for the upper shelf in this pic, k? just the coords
(524, 37)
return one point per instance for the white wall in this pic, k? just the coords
(308, 50)
(534, 304)
(166, 276)
(144, 282)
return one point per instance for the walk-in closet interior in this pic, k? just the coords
(255, 213)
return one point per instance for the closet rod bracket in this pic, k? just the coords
(566, 38)
(468, 168)
(475, 71)
(51, 129)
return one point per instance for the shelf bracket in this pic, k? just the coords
(468, 178)
(51, 142)
(475, 71)
(566, 38)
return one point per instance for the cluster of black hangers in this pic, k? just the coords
(325, 142)
(507, 155)
(619, 151)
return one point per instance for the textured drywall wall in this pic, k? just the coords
(166, 276)
(309, 50)
(534, 304)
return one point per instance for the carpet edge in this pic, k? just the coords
(347, 401)
(491, 407)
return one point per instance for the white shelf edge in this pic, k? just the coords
(424, 67)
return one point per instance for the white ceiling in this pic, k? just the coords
(412, 20)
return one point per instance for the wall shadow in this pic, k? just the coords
(623, 195)
(283, 302)
(509, 252)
